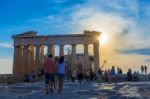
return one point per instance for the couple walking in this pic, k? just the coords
(50, 70)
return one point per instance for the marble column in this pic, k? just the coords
(25, 56)
(61, 53)
(96, 55)
(31, 59)
(37, 58)
(73, 64)
(41, 52)
(15, 61)
(86, 57)
(41, 56)
(19, 67)
(50, 49)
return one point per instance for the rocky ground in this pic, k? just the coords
(90, 90)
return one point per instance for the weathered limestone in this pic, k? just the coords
(31, 59)
(86, 57)
(18, 69)
(73, 57)
(37, 65)
(25, 58)
(96, 55)
(61, 53)
(50, 49)
(29, 50)
(41, 56)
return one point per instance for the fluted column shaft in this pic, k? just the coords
(15, 60)
(96, 55)
(73, 57)
(61, 53)
(50, 49)
(86, 57)
(37, 58)
(31, 59)
(25, 55)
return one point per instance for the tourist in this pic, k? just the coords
(118, 70)
(135, 76)
(55, 77)
(40, 73)
(112, 74)
(100, 74)
(142, 69)
(87, 75)
(73, 75)
(33, 75)
(129, 75)
(27, 77)
(61, 73)
(80, 76)
(106, 75)
(108, 72)
(119, 73)
(49, 70)
(91, 74)
(145, 69)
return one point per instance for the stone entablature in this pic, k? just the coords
(55, 39)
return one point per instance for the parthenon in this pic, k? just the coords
(29, 50)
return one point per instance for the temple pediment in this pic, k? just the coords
(27, 34)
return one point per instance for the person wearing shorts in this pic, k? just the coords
(49, 71)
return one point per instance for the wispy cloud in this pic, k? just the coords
(6, 45)
(143, 51)
(124, 26)
(119, 19)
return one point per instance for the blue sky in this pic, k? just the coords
(126, 23)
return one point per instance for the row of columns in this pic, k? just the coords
(25, 61)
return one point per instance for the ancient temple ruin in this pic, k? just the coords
(29, 49)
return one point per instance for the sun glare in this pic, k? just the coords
(103, 39)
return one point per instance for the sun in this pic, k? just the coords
(103, 39)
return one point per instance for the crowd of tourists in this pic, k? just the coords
(110, 75)
(134, 75)
(54, 74)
